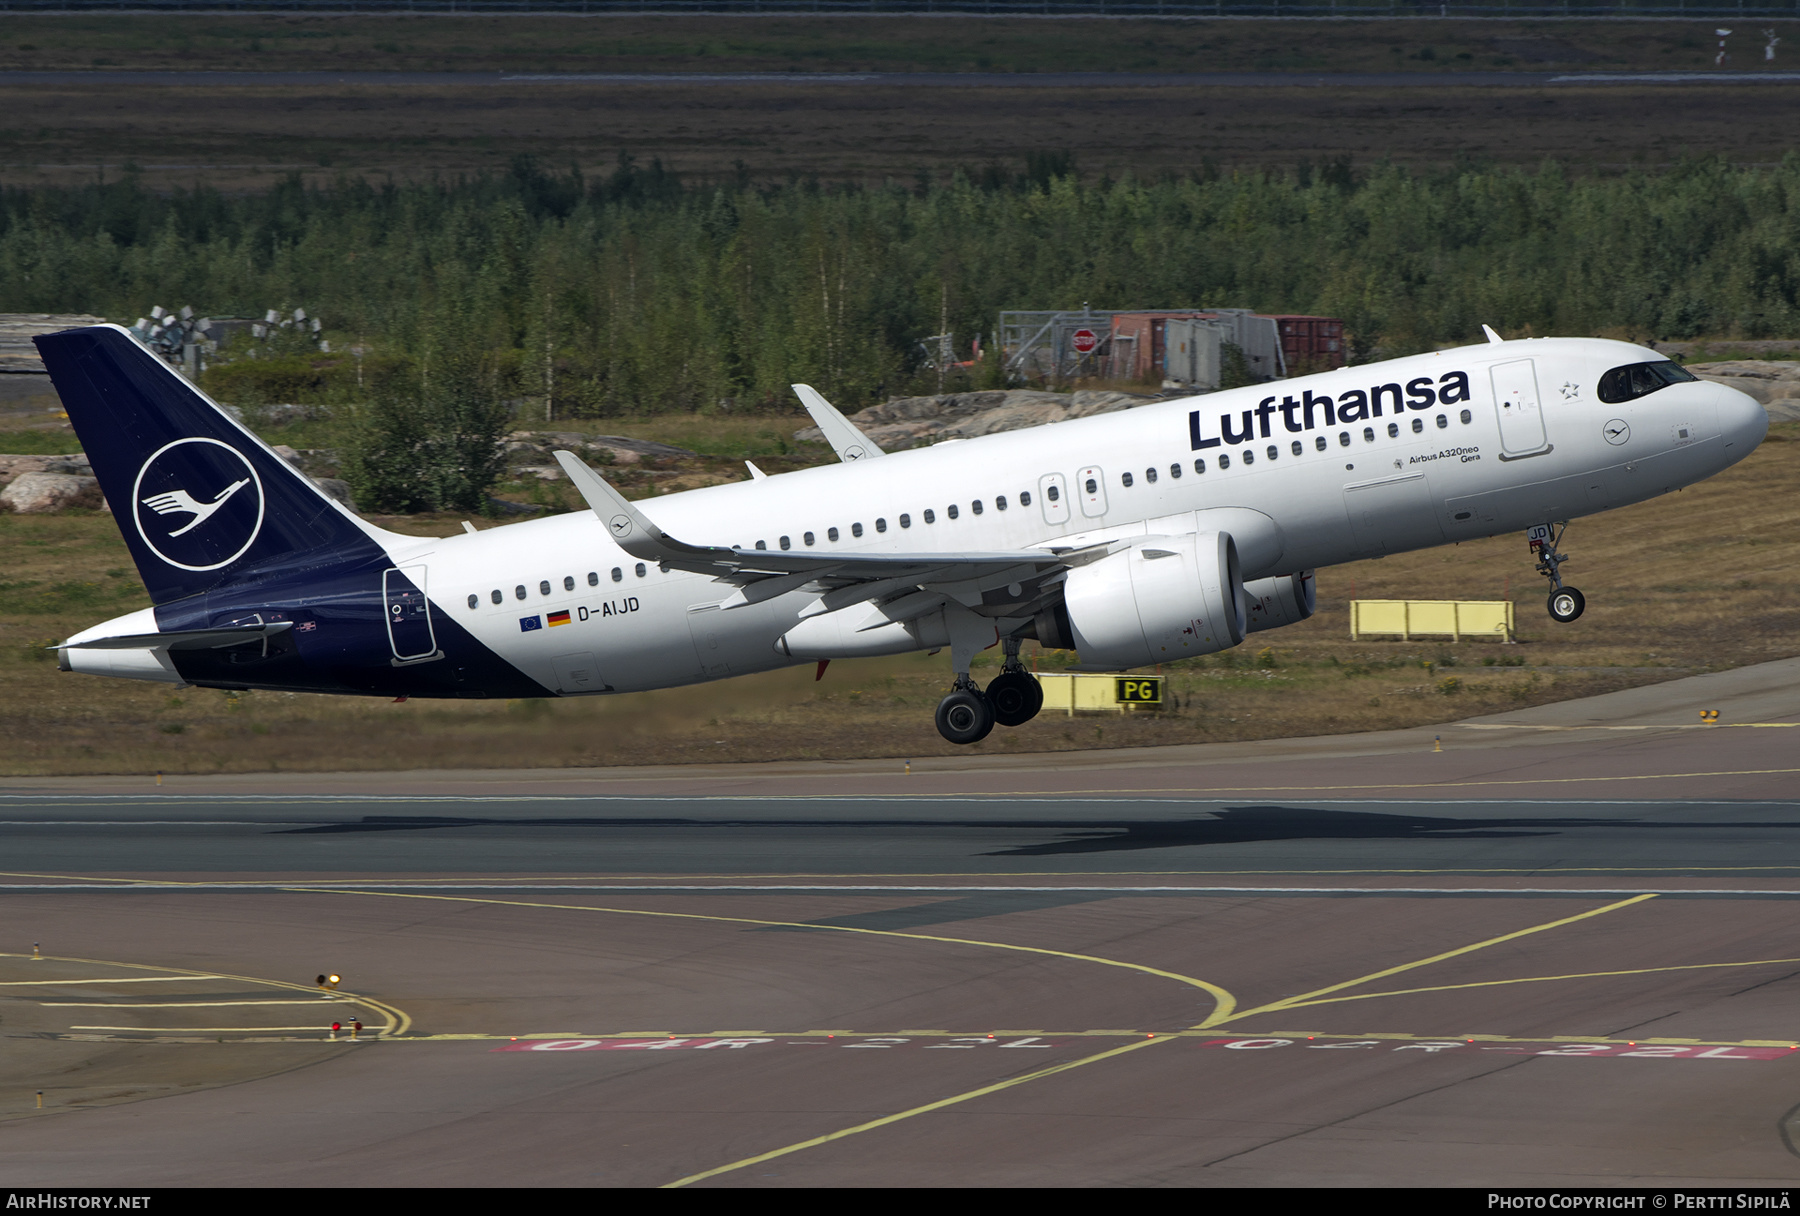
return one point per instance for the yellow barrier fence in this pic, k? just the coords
(1474, 620)
(1116, 694)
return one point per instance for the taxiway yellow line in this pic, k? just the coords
(885, 1120)
(398, 1021)
(1223, 1000)
(1539, 979)
(336, 1000)
(1309, 997)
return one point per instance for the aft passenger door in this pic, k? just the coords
(408, 615)
(1053, 497)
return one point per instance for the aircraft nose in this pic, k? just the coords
(1742, 420)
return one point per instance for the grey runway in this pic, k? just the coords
(1557, 953)
(888, 835)
(921, 80)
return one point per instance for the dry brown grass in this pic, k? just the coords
(1700, 580)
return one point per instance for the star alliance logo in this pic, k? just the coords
(199, 504)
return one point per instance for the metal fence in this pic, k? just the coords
(1271, 9)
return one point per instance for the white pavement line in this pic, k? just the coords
(204, 1029)
(336, 1000)
(148, 979)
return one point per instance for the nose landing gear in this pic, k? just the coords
(1566, 603)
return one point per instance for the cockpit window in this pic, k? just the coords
(1636, 380)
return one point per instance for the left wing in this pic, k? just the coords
(1003, 583)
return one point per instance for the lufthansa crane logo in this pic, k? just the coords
(199, 504)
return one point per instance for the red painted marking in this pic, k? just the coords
(1648, 1051)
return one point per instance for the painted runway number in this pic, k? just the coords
(966, 1043)
(1652, 1051)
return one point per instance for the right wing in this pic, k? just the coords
(999, 583)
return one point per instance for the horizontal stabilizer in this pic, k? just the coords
(188, 639)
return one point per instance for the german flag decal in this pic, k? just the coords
(559, 618)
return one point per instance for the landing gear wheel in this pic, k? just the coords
(965, 716)
(1016, 697)
(1566, 604)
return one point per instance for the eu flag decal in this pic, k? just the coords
(528, 623)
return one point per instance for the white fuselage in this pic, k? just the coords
(1537, 446)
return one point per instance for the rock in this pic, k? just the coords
(337, 488)
(1773, 382)
(287, 453)
(12, 466)
(42, 493)
(906, 422)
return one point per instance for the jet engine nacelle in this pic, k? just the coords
(1170, 597)
(1286, 600)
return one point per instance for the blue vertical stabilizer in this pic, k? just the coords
(200, 500)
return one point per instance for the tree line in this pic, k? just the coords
(635, 291)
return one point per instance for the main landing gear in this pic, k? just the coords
(1566, 603)
(1013, 698)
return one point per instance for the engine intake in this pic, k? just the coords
(1170, 597)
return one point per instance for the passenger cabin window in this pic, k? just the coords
(1296, 447)
(519, 592)
(1274, 451)
(1418, 426)
(950, 510)
(831, 534)
(474, 600)
(762, 544)
(593, 578)
(1467, 417)
(856, 529)
(1368, 434)
(1636, 380)
(568, 582)
(1093, 487)
(1224, 463)
(881, 525)
(807, 537)
(1053, 492)
(496, 596)
(618, 575)
(999, 502)
(976, 506)
(1125, 480)
(785, 544)
(1025, 497)
(930, 516)
(1442, 422)
(544, 587)
(1150, 475)
(906, 521)
(1249, 456)
(1174, 470)
(639, 570)
(1393, 430)
(1343, 439)
(1319, 441)
(1199, 466)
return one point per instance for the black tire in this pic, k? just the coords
(1566, 605)
(1016, 697)
(965, 717)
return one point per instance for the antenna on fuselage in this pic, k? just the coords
(1493, 337)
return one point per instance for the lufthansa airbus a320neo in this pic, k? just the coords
(1171, 530)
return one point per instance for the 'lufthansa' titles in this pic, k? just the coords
(1311, 410)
